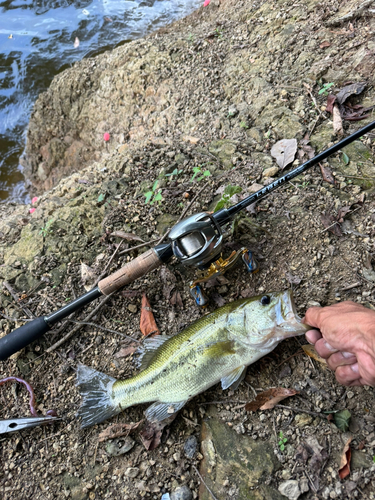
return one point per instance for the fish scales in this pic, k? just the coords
(217, 347)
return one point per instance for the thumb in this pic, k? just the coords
(312, 316)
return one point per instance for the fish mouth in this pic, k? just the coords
(288, 322)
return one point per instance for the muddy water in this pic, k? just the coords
(38, 39)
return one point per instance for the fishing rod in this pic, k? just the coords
(195, 241)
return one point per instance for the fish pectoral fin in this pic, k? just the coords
(148, 349)
(234, 378)
(219, 349)
(160, 411)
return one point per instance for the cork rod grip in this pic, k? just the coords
(138, 267)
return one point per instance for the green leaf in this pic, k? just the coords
(206, 173)
(342, 419)
(155, 185)
(345, 158)
(158, 197)
(232, 190)
(101, 197)
(148, 196)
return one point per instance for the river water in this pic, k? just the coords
(38, 39)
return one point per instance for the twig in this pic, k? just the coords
(300, 410)
(183, 212)
(203, 481)
(311, 481)
(15, 319)
(349, 287)
(148, 243)
(77, 327)
(109, 262)
(17, 300)
(102, 328)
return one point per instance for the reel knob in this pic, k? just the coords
(197, 240)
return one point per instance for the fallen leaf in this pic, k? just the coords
(125, 351)
(192, 140)
(324, 45)
(88, 276)
(349, 90)
(342, 419)
(330, 222)
(327, 174)
(293, 280)
(311, 351)
(268, 399)
(118, 430)
(130, 294)
(217, 299)
(147, 323)
(330, 102)
(284, 152)
(152, 432)
(337, 120)
(127, 236)
(344, 469)
(176, 299)
(342, 213)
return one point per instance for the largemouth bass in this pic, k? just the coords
(217, 347)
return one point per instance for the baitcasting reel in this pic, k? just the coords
(197, 242)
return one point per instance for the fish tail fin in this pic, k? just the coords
(96, 391)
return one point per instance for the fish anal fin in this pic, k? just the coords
(234, 378)
(160, 411)
(148, 349)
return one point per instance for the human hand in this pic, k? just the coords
(345, 337)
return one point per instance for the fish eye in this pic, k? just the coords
(265, 300)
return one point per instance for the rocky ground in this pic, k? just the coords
(213, 92)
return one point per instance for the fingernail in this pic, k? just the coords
(348, 354)
(355, 368)
(329, 347)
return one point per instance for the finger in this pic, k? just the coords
(341, 359)
(324, 349)
(312, 316)
(313, 336)
(348, 374)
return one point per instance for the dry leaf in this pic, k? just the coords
(327, 174)
(176, 299)
(293, 280)
(330, 222)
(118, 430)
(349, 90)
(88, 276)
(284, 152)
(130, 294)
(324, 45)
(337, 120)
(125, 351)
(268, 399)
(330, 102)
(147, 323)
(127, 236)
(311, 351)
(191, 139)
(344, 469)
(152, 432)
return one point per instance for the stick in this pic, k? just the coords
(77, 327)
(18, 300)
(203, 481)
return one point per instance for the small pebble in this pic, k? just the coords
(190, 446)
(182, 493)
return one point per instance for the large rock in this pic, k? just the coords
(235, 464)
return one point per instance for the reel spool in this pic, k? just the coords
(197, 242)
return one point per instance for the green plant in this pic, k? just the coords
(282, 441)
(191, 37)
(325, 88)
(154, 194)
(229, 191)
(45, 229)
(373, 459)
(244, 124)
(175, 172)
(197, 171)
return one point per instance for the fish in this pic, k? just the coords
(216, 348)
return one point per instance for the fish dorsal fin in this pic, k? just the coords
(147, 350)
(160, 411)
(234, 378)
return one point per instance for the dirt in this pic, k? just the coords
(42, 253)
